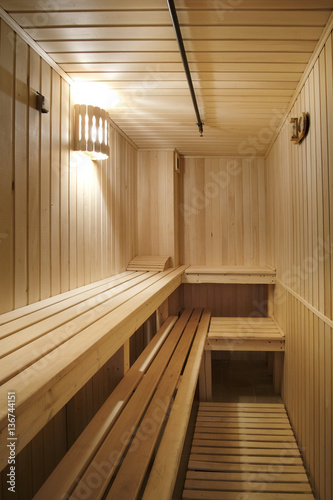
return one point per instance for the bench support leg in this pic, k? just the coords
(162, 314)
(205, 377)
(270, 301)
(126, 356)
(278, 371)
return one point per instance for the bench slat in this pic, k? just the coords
(247, 486)
(49, 385)
(243, 468)
(72, 466)
(163, 476)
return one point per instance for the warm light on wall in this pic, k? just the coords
(91, 131)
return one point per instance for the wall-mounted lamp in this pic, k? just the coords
(299, 128)
(91, 131)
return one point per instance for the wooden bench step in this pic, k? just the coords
(245, 334)
(149, 263)
(241, 463)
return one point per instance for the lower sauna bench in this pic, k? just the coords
(245, 452)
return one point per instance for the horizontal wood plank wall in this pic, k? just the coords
(222, 212)
(65, 221)
(157, 198)
(300, 226)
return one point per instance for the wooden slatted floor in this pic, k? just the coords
(245, 452)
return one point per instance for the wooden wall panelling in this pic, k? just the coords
(157, 199)
(329, 95)
(104, 222)
(328, 461)
(79, 166)
(299, 183)
(325, 91)
(64, 224)
(7, 46)
(117, 201)
(319, 185)
(34, 181)
(55, 184)
(21, 172)
(45, 183)
(64, 187)
(223, 212)
(227, 300)
(73, 209)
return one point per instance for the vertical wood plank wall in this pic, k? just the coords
(157, 198)
(222, 212)
(300, 244)
(65, 221)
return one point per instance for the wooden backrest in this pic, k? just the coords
(149, 263)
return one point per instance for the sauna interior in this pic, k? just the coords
(166, 312)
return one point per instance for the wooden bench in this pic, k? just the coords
(112, 457)
(243, 334)
(50, 349)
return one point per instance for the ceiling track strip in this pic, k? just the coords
(175, 22)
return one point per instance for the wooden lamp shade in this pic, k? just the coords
(91, 131)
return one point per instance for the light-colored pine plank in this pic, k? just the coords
(166, 33)
(34, 182)
(7, 96)
(240, 459)
(240, 468)
(216, 495)
(290, 488)
(151, 18)
(219, 443)
(244, 452)
(21, 173)
(169, 453)
(45, 187)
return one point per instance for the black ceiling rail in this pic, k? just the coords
(176, 26)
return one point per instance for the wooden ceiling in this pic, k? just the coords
(246, 59)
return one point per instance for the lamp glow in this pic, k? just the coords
(91, 131)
